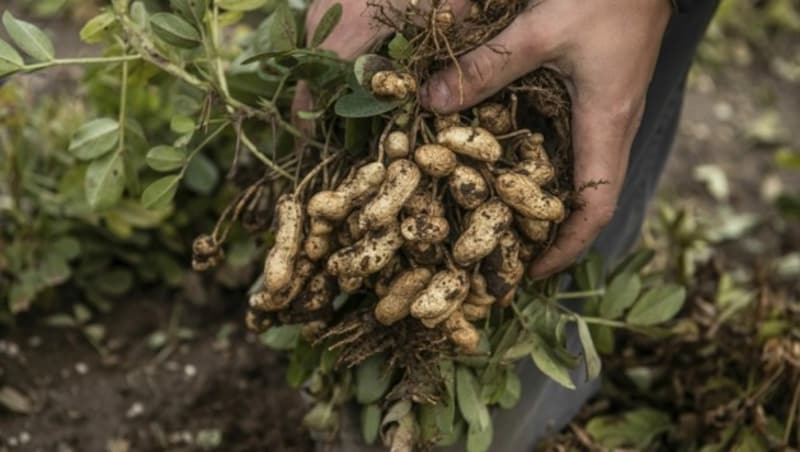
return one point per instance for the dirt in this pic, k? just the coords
(219, 388)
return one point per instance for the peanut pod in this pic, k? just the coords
(422, 202)
(435, 160)
(468, 187)
(473, 312)
(396, 305)
(482, 232)
(474, 142)
(271, 302)
(527, 198)
(396, 145)
(425, 229)
(534, 230)
(402, 178)
(462, 333)
(495, 118)
(367, 256)
(448, 287)
(541, 173)
(394, 84)
(280, 260)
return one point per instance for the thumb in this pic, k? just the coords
(518, 50)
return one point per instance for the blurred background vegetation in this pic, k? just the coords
(727, 223)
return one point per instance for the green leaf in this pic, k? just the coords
(784, 158)
(191, 10)
(105, 181)
(589, 272)
(114, 282)
(326, 25)
(60, 321)
(361, 104)
(547, 362)
(372, 380)
(175, 30)
(139, 14)
(24, 291)
(202, 175)
(636, 428)
(620, 294)
(30, 38)
(94, 139)
(81, 313)
(54, 270)
(367, 65)
(182, 124)
(66, 247)
(97, 28)
(635, 262)
(479, 439)
(133, 213)
(512, 390)
(310, 115)
(320, 418)
(469, 404)
(603, 337)
(161, 192)
(282, 32)
(303, 361)
(165, 158)
(399, 47)
(657, 305)
(370, 423)
(241, 5)
(590, 357)
(10, 59)
(282, 337)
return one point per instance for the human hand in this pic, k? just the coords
(606, 52)
(356, 32)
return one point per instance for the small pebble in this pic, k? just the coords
(24, 438)
(190, 370)
(723, 111)
(81, 368)
(135, 410)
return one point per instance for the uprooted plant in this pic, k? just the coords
(397, 239)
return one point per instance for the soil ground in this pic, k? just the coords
(222, 387)
(223, 390)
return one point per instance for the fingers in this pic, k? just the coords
(518, 50)
(602, 135)
(358, 30)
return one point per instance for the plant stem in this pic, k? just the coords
(259, 155)
(123, 103)
(604, 322)
(582, 294)
(71, 61)
(215, 41)
(203, 144)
